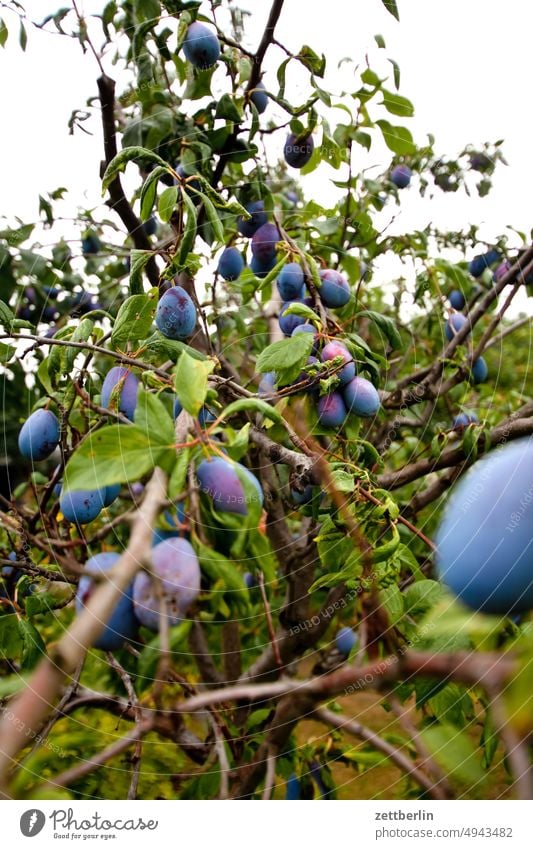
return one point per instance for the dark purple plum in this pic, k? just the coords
(462, 420)
(201, 46)
(249, 226)
(218, 478)
(332, 410)
(484, 538)
(91, 244)
(303, 497)
(502, 269)
(259, 97)
(81, 506)
(454, 324)
(261, 269)
(291, 282)
(480, 371)
(307, 328)
(264, 243)
(127, 393)
(478, 265)
(345, 640)
(250, 580)
(456, 299)
(401, 176)
(177, 408)
(337, 349)
(297, 151)
(122, 626)
(176, 314)
(230, 264)
(150, 226)
(39, 435)
(361, 397)
(288, 323)
(335, 290)
(176, 565)
(111, 493)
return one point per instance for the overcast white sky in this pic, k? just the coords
(465, 65)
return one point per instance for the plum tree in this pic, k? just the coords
(121, 626)
(361, 397)
(219, 479)
(298, 150)
(201, 46)
(486, 559)
(230, 264)
(177, 585)
(277, 481)
(39, 435)
(176, 314)
(401, 176)
(119, 391)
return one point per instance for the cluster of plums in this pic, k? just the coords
(479, 370)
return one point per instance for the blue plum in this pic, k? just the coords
(292, 788)
(81, 506)
(303, 497)
(267, 385)
(249, 226)
(206, 417)
(480, 370)
(111, 493)
(291, 281)
(219, 479)
(298, 151)
(332, 410)
(335, 290)
(177, 408)
(259, 97)
(201, 46)
(176, 314)
(306, 328)
(478, 265)
(250, 580)
(454, 324)
(456, 299)
(91, 244)
(122, 626)
(361, 397)
(175, 563)
(261, 269)
(336, 349)
(230, 264)
(288, 323)
(126, 385)
(484, 539)
(462, 420)
(264, 242)
(150, 226)
(39, 435)
(401, 176)
(8, 572)
(345, 640)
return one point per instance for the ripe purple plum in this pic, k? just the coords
(264, 243)
(176, 314)
(335, 290)
(478, 265)
(454, 324)
(267, 385)
(288, 323)
(218, 478)
(230, 264)
(502, 269)
(291, 282)
(81, 506)
(457, 299)
(201, 46)
(122, 626)
(345, 640)
(111, 493)
(401, 176)
(259, 97)
(480, 371)
(39, 435)
(337, 349)
(361, 397)
(126, 385)
(332, 410)
(462, 420)
(298, 151)
(261, 269)
(176, 565)
(247, 227)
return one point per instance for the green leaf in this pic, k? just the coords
(9, 636)
(6, 352)
(397, 105)
(386, 325)
(285, 354)
(167, 202)
(303, 310)
(312, 61)
(190, 382)
(421, 596)
(392, 600)
(189, 232)
(12, 684)
(114, 454)
(128, 154)
(228, 109)
(217, 567)
(178, 476)
(396, 71)
(212, 217)
(149, 191)
(134, 319)
(397, 139)
(454, 752)
(138, 261)
(255, 405)
(391, 7)
(3, 33)
(33, 647)
(343, 480)
(6, 316)
(151, 416)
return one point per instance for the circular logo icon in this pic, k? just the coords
(32, 822)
